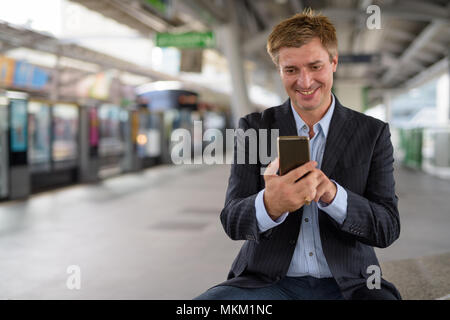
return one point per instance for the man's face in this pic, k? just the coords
(307, 75)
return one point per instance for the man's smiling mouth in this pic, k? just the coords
(307, 93)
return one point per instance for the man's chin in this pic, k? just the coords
(306, 106)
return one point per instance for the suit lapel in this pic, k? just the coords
(338, 136)
(284, 120)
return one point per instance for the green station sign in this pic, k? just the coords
(159, 5)
(186, 40)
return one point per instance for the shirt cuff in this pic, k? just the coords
(337, 209)
(265, 222)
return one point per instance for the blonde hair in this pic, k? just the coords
(300, 29)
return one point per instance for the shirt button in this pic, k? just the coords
(311, 254)
(306, 219)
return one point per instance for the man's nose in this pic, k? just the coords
(304, 80)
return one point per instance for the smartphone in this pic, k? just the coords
(293, 152)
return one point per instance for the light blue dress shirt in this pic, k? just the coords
(308, 258)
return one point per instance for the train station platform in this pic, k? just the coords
(156, 234)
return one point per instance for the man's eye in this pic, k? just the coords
(316, 67)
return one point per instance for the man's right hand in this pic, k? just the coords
(283, 193)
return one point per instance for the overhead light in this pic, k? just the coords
(159, 85)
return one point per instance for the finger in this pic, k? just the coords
(310, 195)
(272, 168)
(310, 181)
(320, 190)
(299, 172)
(305, 189)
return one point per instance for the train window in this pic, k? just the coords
(3, 147)
(65, 131)
(18, 109)
(93, 127)
(112, 134)
(149, 137)
(39, 133)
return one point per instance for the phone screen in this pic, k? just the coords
(293, 151)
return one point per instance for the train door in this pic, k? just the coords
(125, 136)
(89, 140)
(4, 163)
(171, 122)
(154, 130)
(65, 137)
(39, 125)
(19, 175)
(112, 136)
(149, 138)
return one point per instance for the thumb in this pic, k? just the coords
(272, 168)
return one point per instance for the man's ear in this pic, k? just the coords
(334, 62)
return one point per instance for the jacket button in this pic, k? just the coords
(292, 242)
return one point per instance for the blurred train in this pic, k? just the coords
(44, 144)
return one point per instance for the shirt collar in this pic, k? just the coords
(323, 123)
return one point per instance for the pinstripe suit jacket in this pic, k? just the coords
(359, 156)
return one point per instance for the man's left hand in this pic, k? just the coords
(326, 190)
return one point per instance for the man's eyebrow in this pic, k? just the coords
(309, 64)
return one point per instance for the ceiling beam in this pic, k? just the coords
(424, 7)
(402, 12)
(20, 37)
(400, 35)
(199, 11)
(143, 16)
(418, 43)
(433, 71)
(426, 57)
(219, 13)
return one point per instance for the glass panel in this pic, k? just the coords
(39, 132)
(65, 131)
(18, 125)
(93, 127)
(3, 150)
(112, 120)
(149, 138)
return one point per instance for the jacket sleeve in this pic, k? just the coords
(373, 218)
(238, 216)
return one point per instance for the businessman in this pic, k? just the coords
(311, 238)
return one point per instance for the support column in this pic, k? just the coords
(54, 91)
(228, 40)
(443, 99)
(350, 94)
